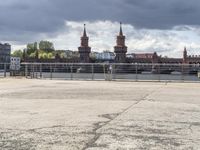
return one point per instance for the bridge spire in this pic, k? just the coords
(84, 32)
(185, 55)
(185, 49)
(120, 48)
(84, 49)
(121, 32)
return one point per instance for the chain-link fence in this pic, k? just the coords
(133, 72)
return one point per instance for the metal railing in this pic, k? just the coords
(105, 71)
(4, 70)
(135, 72)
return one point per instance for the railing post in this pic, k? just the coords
(51, 74)
(104, 71)
(71, 72)
(159, 71)
(111, 72)
(33, 71)
(136, 71)
(40, 71)
(36, 71)
(182, 74)
(5, 70)
(26, 70)
(92, 71)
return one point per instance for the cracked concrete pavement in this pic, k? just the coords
(98, 115)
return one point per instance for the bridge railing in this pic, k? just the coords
(4, 70)
(106, 71)
(103, 71)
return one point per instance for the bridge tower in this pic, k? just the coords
(120, 48)
(185, 56)
(84, 49)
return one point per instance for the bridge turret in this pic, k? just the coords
(185, 56)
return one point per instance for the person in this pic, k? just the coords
(110, 69)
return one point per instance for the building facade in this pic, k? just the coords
(143, 58)
(15, 63)
(105, 56)
(154, 58)
(5, 52)
(190, 59)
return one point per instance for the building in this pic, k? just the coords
(190, 59)
(68, 54)
(84, 49)
(143, 57)
(154, 58)
(105, 56)
(5, 52)
(15, 63)
(120, 49)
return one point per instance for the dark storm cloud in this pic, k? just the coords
(163, 14)
(19, 18)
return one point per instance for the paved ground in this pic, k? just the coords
(60, 115)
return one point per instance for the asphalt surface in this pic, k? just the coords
(98, 115)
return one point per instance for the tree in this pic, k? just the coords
(63, 55)
(46, 46)
(37, 54)
(31, 48)
(50, 55)
(45, 56)
(32, 55)
(18, 53)
(40, 56)
(35, 46)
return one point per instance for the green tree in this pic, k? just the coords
(46, 46)
(45, 56)
(32, 55)
(31, 48)
(63, 55)
(50, 56)
(18, 53)
(40, 55)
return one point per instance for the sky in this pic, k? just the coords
(149, 25)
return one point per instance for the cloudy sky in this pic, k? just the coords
(150, 25)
